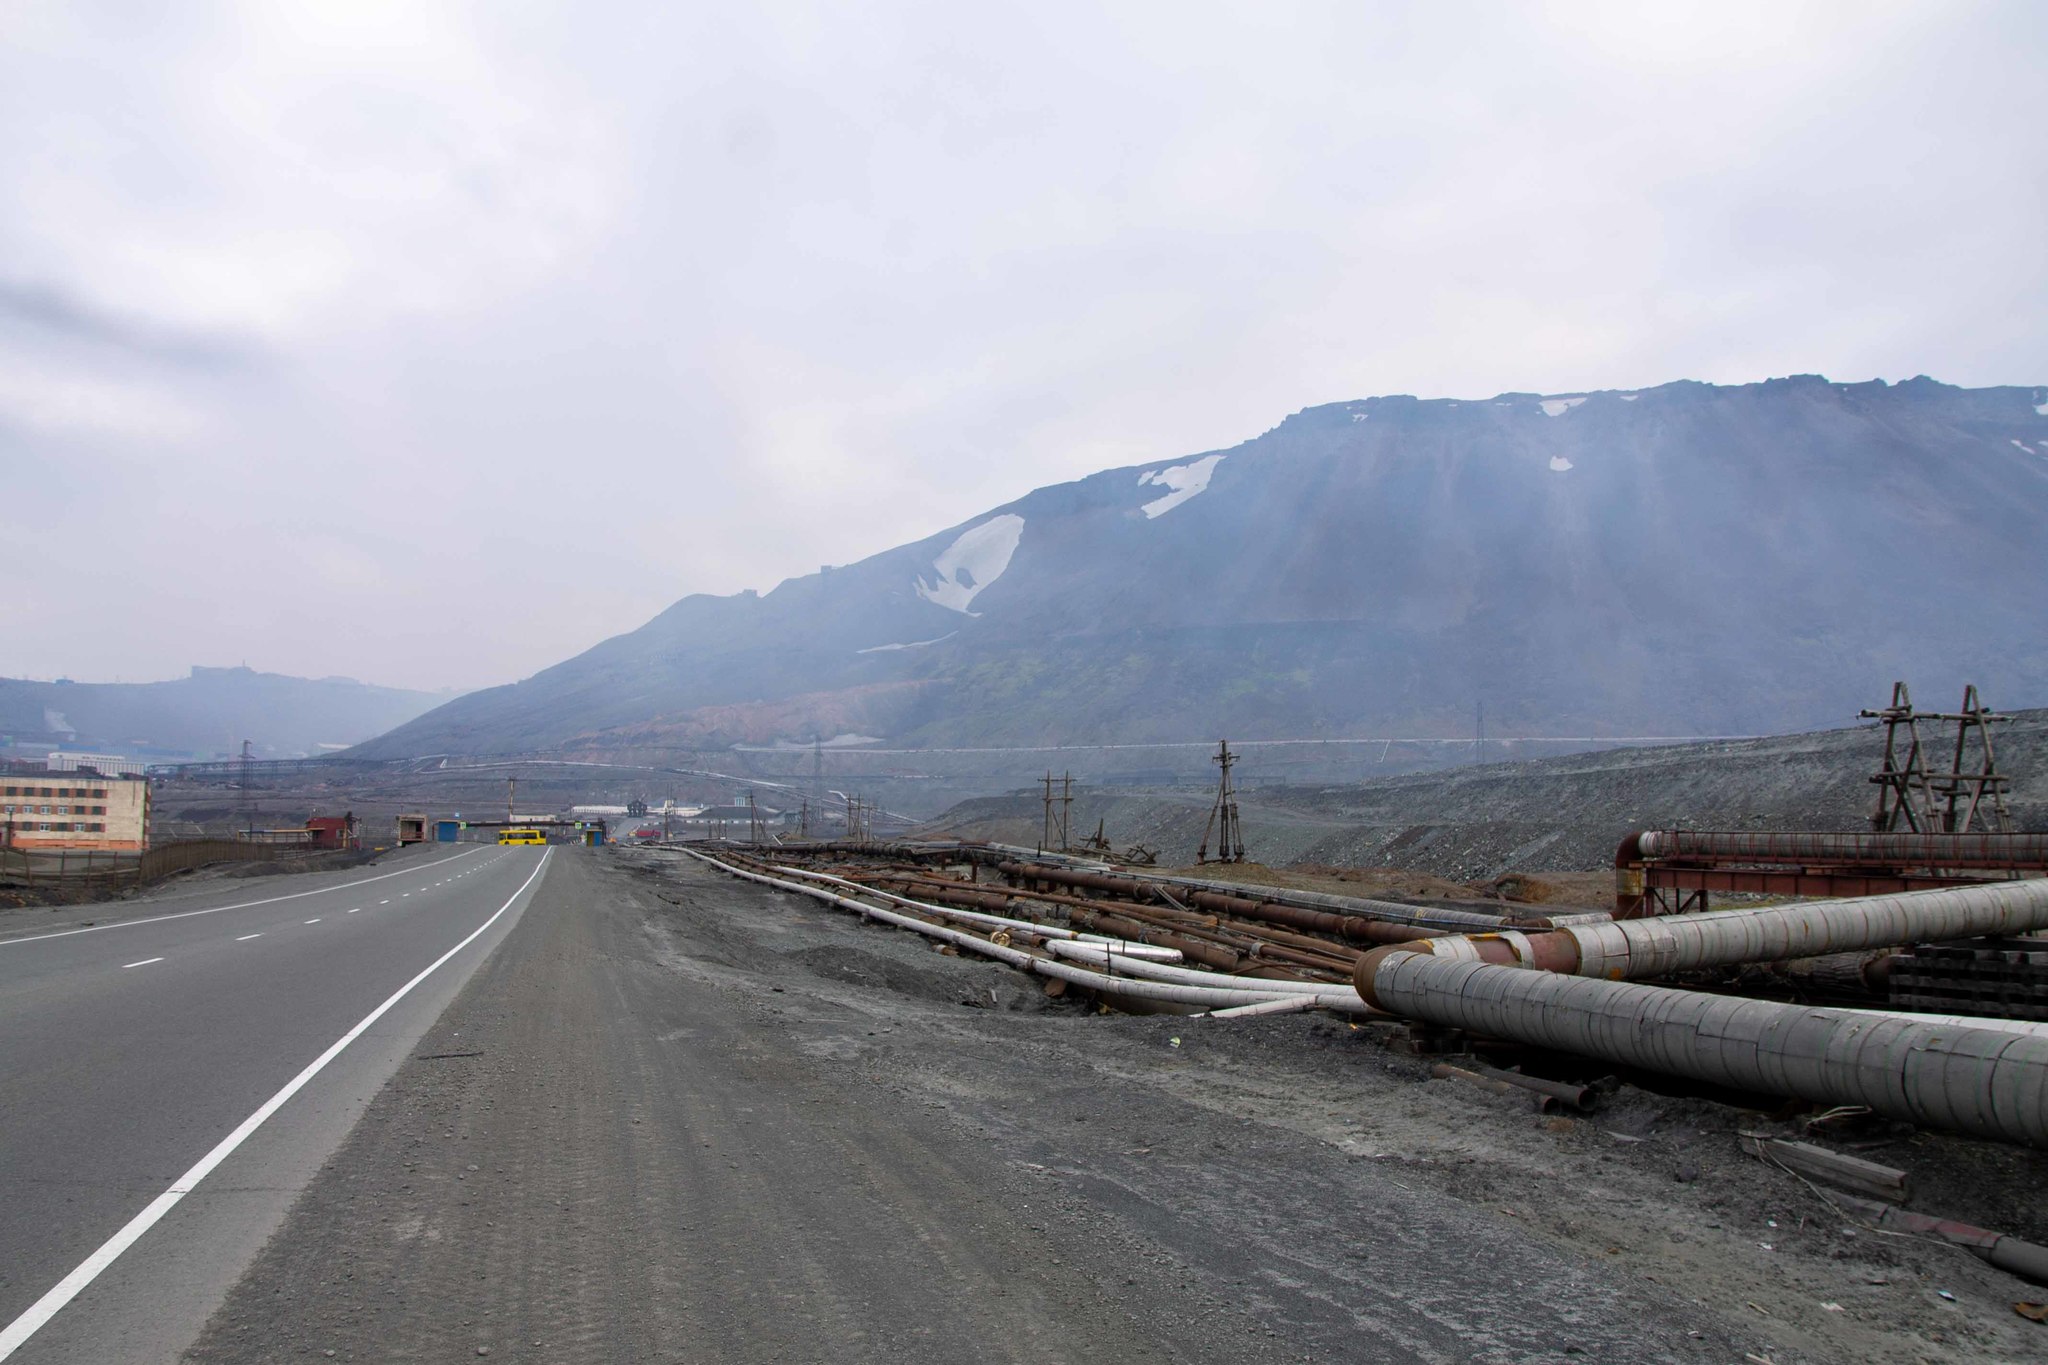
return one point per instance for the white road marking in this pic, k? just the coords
(383, 902)
(357, 911)
(187, 914)
(313, 921)
(246, 937)
(68, 1288)
(144, 963)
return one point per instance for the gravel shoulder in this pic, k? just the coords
(676, 1117)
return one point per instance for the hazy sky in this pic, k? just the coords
(431, 344)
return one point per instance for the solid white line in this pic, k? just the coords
(68, 1288)
(144, 963)
(246, 937)
(187, 914)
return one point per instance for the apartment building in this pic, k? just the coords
(73, 810)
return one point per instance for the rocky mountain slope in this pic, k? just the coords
(1541, 815)
(206, 714)
(1680, 560)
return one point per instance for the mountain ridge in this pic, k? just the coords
(207, 713)
(1688, 558)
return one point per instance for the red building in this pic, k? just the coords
(332, 831)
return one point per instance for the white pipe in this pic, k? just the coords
(1144, 952)
(1297, 1005)
(1048, 931)
(1212, 997)
(1138, 967)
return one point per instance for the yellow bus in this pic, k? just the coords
(521, 836)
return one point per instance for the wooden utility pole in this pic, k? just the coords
(1903, 796)
(1230, 840)
(1968, 793)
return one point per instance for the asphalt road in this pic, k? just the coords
(132, 1048)
(677, 1118)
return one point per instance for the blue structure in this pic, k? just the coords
(446, 830)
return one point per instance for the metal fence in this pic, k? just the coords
(83, 872)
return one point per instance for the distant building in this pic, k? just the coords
(320, 831)
(68, 809)
(111, 765)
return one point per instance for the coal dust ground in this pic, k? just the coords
(681, 1118)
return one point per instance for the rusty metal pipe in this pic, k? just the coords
(1580, 1097)
(1208, 997)
(2010, 1254)
(1146, 888)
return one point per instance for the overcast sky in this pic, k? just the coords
(430, 344)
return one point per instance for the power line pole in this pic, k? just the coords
(1230, 844)
(1066, 808)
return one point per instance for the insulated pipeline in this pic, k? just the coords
(1639, 949)
(1895, 848)
(1208, 997)
(1981, 1081)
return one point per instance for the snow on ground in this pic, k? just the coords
(1560, 463)
(1558, 407)
(1184, 481)
(2023, 445)
(2041, 408)
(913, 644)
(1630, 397)
(972, 562)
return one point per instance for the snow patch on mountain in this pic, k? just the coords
(1184, 481)
(1630, 397)
(972, 562)
(1558, 407)
(1559, 463)
(912, 644)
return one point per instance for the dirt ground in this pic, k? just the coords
(676, 1117)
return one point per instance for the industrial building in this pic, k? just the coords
(112, 765)
(60, 810)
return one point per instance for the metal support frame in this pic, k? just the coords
(1230, 835)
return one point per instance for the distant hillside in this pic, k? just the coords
(1547, 814)
(1680, 560)
(207, 714)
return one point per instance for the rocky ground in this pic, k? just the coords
(1569, 813)
(680, 1118)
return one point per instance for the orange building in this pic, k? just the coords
(73, 810)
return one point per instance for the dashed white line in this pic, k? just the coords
(68, 1288)
(383, 902)
(357, 911)
(144, 963)
(246, 937)
(187, 914)
(314, 920)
